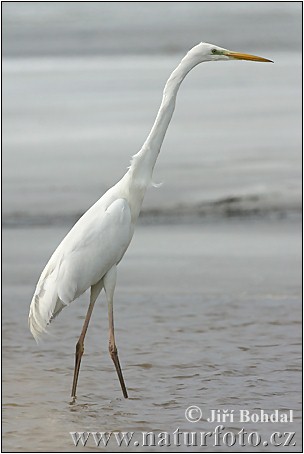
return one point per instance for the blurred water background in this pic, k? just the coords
(208, 300)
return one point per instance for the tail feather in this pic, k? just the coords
(39, 319)
(45, 305)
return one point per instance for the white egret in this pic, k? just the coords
(89, 254)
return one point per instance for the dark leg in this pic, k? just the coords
(109, 285)
(95, 290)
(114, 353)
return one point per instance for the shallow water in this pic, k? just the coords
(207, 314)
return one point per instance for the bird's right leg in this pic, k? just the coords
(109, 286)
(95, 290)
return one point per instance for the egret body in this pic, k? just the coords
(89, 254)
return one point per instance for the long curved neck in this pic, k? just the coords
(143, 162)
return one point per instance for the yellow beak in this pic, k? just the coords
(239, 56)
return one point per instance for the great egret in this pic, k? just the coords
(89, 254)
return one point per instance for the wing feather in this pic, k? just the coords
(90, 249)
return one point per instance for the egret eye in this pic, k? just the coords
(213, 51)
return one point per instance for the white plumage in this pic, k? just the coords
(81, 261)
(88, 256)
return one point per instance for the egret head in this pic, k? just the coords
(210, 52)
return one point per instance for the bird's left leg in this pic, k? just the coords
(109, 281)
(95, 290)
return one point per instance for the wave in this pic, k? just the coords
(228, 207)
